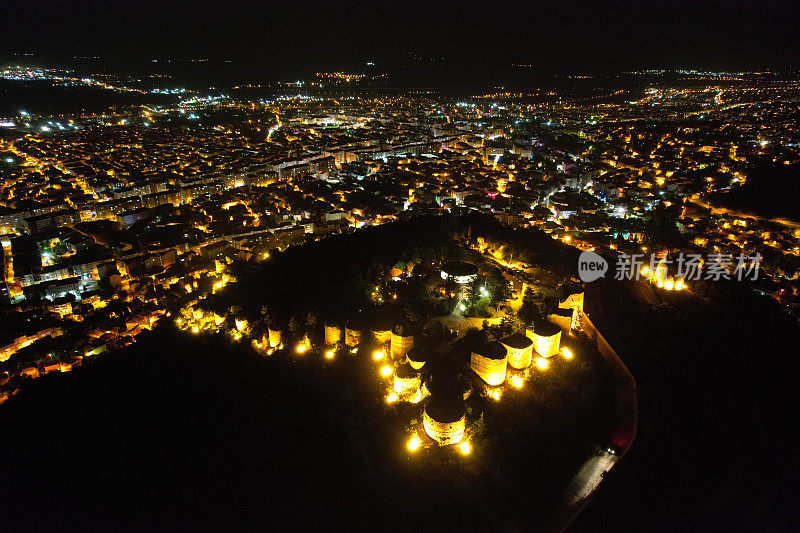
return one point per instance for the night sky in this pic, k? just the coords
(557, 35)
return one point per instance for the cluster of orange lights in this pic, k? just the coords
(670, 284)
(415, 443)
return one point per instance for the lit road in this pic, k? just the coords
(731, 212)
(588, 478)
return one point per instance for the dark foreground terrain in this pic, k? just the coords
(184, 431)
(717, 380)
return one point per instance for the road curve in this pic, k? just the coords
(584, 485)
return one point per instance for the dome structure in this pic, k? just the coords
(459, 272)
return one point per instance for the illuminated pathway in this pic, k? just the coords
(588, 478)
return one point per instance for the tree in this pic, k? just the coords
(499, 287)
(450, 286)
(268, 316)
(295, 325)
(311, 319)
(531, 308)
(473, 292)
(511, 324)
(411, 314)
(660, 227)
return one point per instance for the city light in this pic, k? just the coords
(156, 206)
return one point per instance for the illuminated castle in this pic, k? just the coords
(402, 342)
(382, 336)
(444, 419)
(519, 349)
(406, 379)
(352, 335)
(333, 334)
(416, 357)
(275, 337)
(489, 362)
(546, 338)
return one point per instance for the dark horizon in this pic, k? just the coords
(465, 41)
